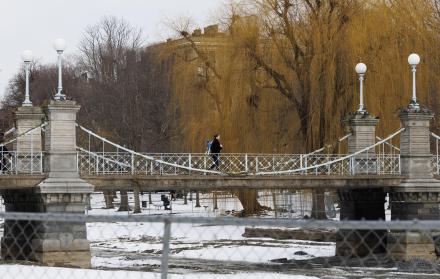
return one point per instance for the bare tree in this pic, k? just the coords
(104, 48)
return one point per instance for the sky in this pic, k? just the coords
(34, 24)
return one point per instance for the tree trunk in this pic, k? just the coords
(124, 201)
(108, 198)
(197, 199)
(249, 201)
(214, 200)
(137, 204)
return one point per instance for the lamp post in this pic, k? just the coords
(414, 60)
(60, 45)
(361, 69)
(27, 58)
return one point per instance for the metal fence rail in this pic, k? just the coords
(170, 246)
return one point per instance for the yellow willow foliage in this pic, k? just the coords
(313, 51)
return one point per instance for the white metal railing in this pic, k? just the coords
(435, 156)
(29, 161)
(249, 164)
(116, 159)
(12, 162)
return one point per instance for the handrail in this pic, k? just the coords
(322, 148)
(389, 144)
(145, 156)
(435, 136)
(23, 134)
(334, 161)
(9, 131)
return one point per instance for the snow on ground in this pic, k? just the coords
(196, 251)
(188, 241)
(26, 272)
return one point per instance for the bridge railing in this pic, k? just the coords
(112, 158)
(13, 162)
(235, 164)
(435, 147)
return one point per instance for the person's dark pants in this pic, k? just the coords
(216, 159)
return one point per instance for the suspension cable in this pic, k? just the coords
(336, 160)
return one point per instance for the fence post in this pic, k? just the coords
(161, 165)
(352, 165)
(41, 162)
(189, 162)
(328, 165)
(97, 164)
(165, 249)
(436, 149)
(32, 154)
(256, 164)
(132, 163)
(246, 168)
(368, 162)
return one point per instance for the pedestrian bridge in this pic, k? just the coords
(381, 158)
(108, 165)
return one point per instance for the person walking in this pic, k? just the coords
(215, 149)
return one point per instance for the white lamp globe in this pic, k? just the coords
(27, 56)
(59, 45)
(413, 59)
(361, 68)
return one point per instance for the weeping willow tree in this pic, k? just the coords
(282, 79)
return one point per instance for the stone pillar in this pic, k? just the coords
(417, 197)
(63, 191)
(27, 118)
(358, 204)
(362, 127)
(137, 204)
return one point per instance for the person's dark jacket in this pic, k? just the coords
(215, 146)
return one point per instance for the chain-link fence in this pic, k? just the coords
(179, 246)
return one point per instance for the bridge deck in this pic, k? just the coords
(213, 182)
(203, 182)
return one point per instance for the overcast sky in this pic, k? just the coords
(34, 24)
